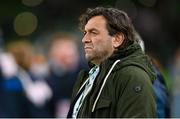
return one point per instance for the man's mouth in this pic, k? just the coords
(87, 47)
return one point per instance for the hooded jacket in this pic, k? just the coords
(126, 91)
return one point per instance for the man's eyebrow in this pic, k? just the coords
(92, 29)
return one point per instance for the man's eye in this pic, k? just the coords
(93, 32)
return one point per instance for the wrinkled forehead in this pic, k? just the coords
(96, 22)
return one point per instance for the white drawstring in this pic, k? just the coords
(82, 86)
(104, 84)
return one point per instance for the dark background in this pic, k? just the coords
(157, 21)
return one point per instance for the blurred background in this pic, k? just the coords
(31, 32)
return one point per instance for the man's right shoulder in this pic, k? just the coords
(82, 76)
(80, 80)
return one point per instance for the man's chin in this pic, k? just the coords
(89, 58)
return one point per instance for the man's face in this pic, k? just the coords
(97, 41)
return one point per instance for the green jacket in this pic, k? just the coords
(127, 92)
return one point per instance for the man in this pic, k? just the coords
(119, 83)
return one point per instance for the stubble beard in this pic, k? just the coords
(96, 57)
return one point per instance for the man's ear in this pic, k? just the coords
(117, 40)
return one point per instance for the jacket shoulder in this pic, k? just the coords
(79, 81)
(132, 73)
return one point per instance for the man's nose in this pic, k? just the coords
(86, 38)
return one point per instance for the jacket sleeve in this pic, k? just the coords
(135, 95)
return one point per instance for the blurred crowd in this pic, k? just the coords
(39, 84)
(34, 84)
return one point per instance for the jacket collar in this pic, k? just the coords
(123, 53)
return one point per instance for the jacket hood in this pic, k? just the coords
(133, 55)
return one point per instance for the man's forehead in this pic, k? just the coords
(95, 22)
